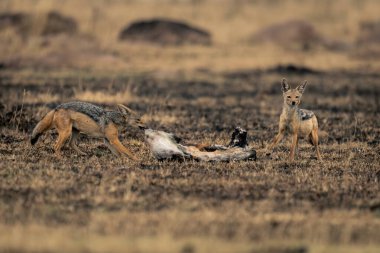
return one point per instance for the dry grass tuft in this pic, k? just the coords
(124, 96)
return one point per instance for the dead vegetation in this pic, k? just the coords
(270, 201)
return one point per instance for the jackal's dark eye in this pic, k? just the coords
(297, 96)
(289, 97)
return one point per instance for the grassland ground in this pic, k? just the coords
(98, 203)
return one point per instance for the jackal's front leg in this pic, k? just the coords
(110, 147)
(294, 146)
(121, 149)
(275, 141)
(111, 134)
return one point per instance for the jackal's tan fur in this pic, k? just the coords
(72, 118)
(299, 122)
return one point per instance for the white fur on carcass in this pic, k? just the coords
(164, 146)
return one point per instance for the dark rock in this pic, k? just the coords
(165, 32)
(297, 34)
(21, 22)
(56, 23)
(292, 69)
(25, 24)
(369, 33)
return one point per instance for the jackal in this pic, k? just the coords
(299, 122)
(72, 118)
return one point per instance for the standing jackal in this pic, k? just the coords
(72, 118)
(299, 122)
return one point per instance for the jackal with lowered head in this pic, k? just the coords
(72, 118)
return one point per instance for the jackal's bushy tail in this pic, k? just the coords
(42, 126)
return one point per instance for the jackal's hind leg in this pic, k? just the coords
(310, 139)
(297, 151)
(314, 138)
(64, 128)
(73, 141)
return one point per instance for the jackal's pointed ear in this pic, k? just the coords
(285, 86)
(125, 110)
(301, 87)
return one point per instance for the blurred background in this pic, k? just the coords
(171, 35)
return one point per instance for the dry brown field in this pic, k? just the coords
(100, 203)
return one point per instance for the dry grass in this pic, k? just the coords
(99, 97)
(27, 239)
(100, 203)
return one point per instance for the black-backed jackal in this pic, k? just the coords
(72, 118)
(299, 122)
